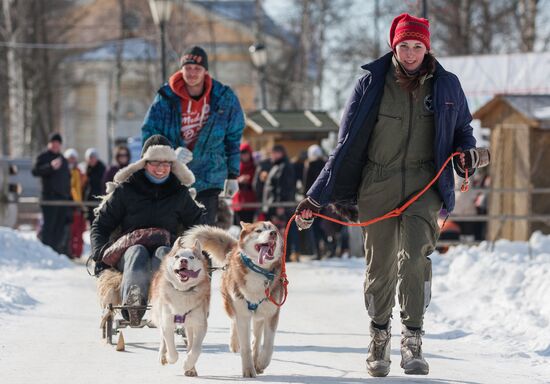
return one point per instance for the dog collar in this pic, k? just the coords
(253, 306)
(268, 275)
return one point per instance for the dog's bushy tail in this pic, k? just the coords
(109, 287)
(216, 241)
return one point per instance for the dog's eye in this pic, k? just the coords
(191, 257)
(176, 257)
(258, 231)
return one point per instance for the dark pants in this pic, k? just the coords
(53, 229)
(210, 202)
(137, 266)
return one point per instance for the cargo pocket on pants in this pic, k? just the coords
(427, 283)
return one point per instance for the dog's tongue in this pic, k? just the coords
(189, 273)
(264, 250)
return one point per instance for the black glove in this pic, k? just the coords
(307, 203)
(473, 158)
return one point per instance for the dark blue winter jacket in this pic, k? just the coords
(340, 179)
(216, 154)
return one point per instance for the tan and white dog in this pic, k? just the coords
(253, 263)
(180, 295)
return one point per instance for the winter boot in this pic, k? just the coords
(134, 300)
(378, 358)
(412, 360)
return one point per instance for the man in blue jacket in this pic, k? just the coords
(203, 119)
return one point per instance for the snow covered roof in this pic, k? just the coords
(133, 49)
(300, 121)
(533, 107)
(244, 12)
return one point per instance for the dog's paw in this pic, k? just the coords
(191, 372)
(261, 364)
(171, 359)
(249, 372)
(234, 347)
(162, 360)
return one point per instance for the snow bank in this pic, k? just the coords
(13, 298)
(497, 294)
(22, 258)
(19, 250)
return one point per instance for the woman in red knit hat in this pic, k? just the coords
(405, 117)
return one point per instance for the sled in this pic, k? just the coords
(111, 326)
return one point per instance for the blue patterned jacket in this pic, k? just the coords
(340, 179)
(216, 153)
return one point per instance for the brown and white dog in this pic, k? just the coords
(253, 264)
(180, 295)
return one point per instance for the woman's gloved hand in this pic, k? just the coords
(304, 212)
(473, 158)
(184, 155)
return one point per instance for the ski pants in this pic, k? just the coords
(397, 249)
(137, 266)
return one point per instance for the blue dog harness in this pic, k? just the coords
(270, 276)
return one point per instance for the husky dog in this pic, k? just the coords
(180, 295)
(253, 263)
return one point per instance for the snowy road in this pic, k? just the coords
(322, 338)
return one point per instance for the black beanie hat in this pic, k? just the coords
(54, 136)
(155, 140)
(194, 55)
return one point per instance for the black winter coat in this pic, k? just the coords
(281, 183)
(138, 203)
(56, 183)
(94, 185)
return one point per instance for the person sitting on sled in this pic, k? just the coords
(146, 208)
(406, 116)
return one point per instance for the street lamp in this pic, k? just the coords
(161, 11)
(258, 54)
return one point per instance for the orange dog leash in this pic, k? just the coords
(394, 213)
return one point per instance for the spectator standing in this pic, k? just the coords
(78, 225)
(246, 193)
(280, 187)
(94, 187)
(122, 159)
(53, 170)
(203, 119)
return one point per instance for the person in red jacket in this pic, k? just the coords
(246, 194)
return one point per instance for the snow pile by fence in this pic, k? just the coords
(499, 294)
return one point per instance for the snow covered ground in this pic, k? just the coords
(489, 322)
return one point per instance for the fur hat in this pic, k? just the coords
(156, 148)
(407, 27)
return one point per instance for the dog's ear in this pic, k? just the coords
(179, 242)
(244, 225)
(198, 246)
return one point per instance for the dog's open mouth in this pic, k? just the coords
(266, 251)
(185, 274)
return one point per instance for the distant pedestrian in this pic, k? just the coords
(53, 170)
(94, 180)
(246, 193)
(122, 159)
(78, 225)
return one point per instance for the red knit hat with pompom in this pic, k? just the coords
(407, 27)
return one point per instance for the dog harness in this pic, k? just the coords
(270, 276)
(180, 319)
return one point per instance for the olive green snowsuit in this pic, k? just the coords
(400, 163)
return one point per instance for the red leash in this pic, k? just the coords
(395, 213)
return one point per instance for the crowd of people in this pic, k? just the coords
(269, 185)
(64, 178)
